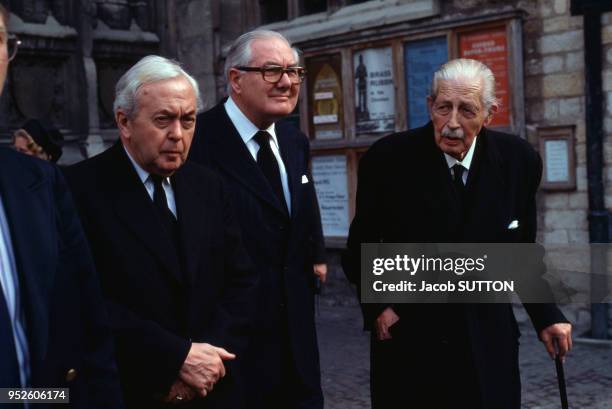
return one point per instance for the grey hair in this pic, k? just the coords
(151, 68)
(471, 70)
(239, 53)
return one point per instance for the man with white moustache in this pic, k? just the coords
(460, 183)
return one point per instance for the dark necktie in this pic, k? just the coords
(458, 178)
(161, 204)
(269, 166)
(159, 195)
(459, 186)
(9, 366)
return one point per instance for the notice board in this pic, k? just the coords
(490, 46)
(422, 59)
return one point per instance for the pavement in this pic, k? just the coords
(344, 349)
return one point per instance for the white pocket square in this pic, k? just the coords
(514, 224)
(304, 179)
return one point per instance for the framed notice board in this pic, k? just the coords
(558, 154)
(490, 46)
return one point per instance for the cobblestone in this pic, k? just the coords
(345, 366)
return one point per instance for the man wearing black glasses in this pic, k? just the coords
(54, 330)
(265, 163)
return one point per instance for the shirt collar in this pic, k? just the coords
(246, 129)
(142, 174)
(467, 159)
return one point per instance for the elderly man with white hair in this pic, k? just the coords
(451, 181)
(178, 283)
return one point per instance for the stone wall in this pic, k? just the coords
(72, 54)
(554, 95)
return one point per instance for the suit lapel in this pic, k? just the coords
(288, 155)
(26, 200)
(232, 155)
(485, 181)
(136, 210)
(192, 213)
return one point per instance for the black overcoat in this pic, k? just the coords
(283, 249)
(405, 194)
(161, 296)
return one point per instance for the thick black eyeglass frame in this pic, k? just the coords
(300, 71)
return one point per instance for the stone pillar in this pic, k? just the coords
(197, 39)
(93, 142)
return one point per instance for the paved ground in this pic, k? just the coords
(345, 366)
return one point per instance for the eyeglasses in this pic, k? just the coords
(274, 73)
(12, 44)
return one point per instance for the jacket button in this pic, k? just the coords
(71, 374)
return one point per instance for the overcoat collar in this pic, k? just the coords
(232, 155)
(136, 211)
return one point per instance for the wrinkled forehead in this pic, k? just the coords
(272, 51)
(171, 91)
(460, 90)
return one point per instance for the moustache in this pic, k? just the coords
(456, 134)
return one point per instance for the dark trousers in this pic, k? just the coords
(270, 377)
(422, 371)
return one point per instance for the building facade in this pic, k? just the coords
(369, 66)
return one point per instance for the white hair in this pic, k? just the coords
(471, 70)
(240, 51)
(151, 68)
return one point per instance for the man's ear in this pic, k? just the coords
(123, 123)
(492, 111)
(234, 77)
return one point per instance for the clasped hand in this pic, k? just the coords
(201, 370)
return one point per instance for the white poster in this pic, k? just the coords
(557, 163)
(374, 90)
(330, 178)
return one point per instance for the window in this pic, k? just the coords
(273, 10)
(312, 6)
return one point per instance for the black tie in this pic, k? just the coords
(459, 186)
(458, 178)
(161, 203)
(269, 166)
(9, 367)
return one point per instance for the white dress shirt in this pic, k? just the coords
(466, 162)
(9, 282)
(146, 180)
(247, 130)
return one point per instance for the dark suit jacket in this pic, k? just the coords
(405, 195)
(66, 324)
(159, 301)
(283, 250)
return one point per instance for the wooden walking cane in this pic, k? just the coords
(561, 378)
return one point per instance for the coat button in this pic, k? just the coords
(71, 374)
